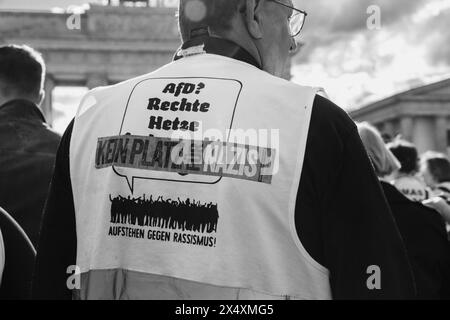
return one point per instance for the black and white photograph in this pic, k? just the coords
(220, 156)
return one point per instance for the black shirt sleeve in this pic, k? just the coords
(57, 244)
(342, 217)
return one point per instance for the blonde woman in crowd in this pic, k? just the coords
(422, 228)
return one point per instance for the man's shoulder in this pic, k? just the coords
(52, 136)
(31, 136)
(327, 116)
(119, 90)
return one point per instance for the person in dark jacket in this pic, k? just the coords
(435, 170)
(27, 153)
(27, 144)
(406, 179)
(422, 228)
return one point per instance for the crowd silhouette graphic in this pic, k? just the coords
(173, 214)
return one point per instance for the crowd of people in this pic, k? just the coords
(184, 215)
(27, 155)
(424, 179)
(338, 234)
(415, 189)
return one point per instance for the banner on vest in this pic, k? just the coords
(186, 157)
(169, 132)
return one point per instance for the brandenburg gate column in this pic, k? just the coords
(46, 106)
(407, 127)
(389, 128)
(441, 125)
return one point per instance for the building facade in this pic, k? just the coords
(104, 45)
(420, 115)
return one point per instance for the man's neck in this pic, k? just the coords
(241, 38)
(215, 45)
(246, 43)
(4, 100)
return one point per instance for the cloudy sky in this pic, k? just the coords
(354, 64)
(357, 65)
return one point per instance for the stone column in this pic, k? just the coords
(406, 127)
(46, 106)
(441, 127)
(96, 80)
(389, 128)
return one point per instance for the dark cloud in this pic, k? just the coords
(351, 15)
(359, 65)
(436, 35)
(331, 26)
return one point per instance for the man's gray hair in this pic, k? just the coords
(215, 14)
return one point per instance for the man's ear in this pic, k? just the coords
(252, 16)
(41, 97)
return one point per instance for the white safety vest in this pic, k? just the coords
(185, 183)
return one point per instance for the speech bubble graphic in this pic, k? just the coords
(178, 107)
